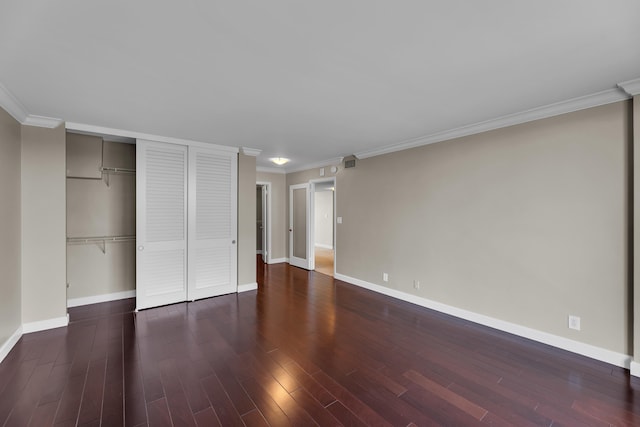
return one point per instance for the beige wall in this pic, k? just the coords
(279, 195)
(246, 219)
(95, 209)
(526, 224)
(43, 224)
(10, 242)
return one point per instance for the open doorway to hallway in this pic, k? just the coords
(324, 213)
(263, 221)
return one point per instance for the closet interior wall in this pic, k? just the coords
(101, 219)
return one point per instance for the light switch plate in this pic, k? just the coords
(339, 220)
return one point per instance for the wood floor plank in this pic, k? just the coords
(220, 402)
(159, 413)
(318, 412)
(254, 419)
(207, 418)
(92, 396)
(44, 415)
(456, 400)
(266, 405)
(181, 413)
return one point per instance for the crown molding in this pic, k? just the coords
(563, 107)
(270, 170)
(330, 162)
(632, 87)
(253, 152)
(15, 108)
(41, 121)
(111, 132)
(11, 104)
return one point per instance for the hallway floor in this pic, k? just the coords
(324, 261)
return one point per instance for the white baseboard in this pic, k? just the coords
(278, 260)
(76, 302)
(635, 369)
(259, 252)
(10, 343)
(604, 355)
(247, 287)
(320, 245)
(42, 325)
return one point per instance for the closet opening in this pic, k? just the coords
(101, 218)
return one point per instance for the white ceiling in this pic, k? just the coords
(309, 80)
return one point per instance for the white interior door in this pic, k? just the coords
(299, 228)
(212, 222)
(265, 221)
(161, 223)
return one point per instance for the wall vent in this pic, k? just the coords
(350, 162)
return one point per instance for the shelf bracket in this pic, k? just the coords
(102, 246)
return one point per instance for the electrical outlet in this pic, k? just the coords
(574, 322)
(416, 284)
(385, 277)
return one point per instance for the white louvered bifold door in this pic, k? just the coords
(161, 223)
(212, 222)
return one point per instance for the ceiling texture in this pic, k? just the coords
(310, 80)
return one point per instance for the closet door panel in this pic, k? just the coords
(212, 222)
(161, 232)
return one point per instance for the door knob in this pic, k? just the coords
(233, 242)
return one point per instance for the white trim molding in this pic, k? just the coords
(8, 345)
(604, 355)
(632, 87)
(594, 100)
(247, 287)
(95, 299)
(42, 122)
(11, 104)
(15, 108)
(253, 152)
(635, 368)
(42, 325)
(279, 260)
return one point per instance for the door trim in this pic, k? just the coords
(311, 225)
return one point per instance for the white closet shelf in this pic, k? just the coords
(100, 241)
(117, 170)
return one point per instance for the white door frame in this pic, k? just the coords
(267, 223)
(311, 252)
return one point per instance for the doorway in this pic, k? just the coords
(263, 221)
(303, 244)
(323, 227)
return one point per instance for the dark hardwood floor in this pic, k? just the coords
(304, 349)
